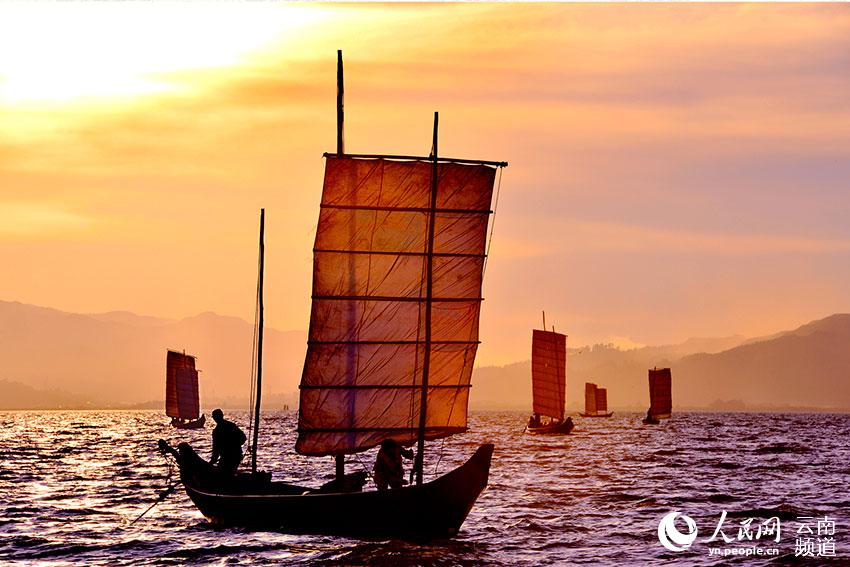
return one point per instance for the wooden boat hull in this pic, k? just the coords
(195, 424)
(434, 509)
(562, 428)
(655, 419)
(609, 414)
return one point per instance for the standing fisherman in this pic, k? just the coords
(227, 441)
(389, 469)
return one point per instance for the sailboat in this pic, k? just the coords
(595, 401)
(182, 402)
(397, 271)
(548, 382)
(660, 396)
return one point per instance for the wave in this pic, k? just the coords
(70, 490)
(780, 448)
(783, 512)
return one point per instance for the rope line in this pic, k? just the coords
(492, 225)
(253, 389)
(165, 493)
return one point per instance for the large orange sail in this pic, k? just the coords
(660, 392)
(181, 386)
(548, 373)
(362, 378)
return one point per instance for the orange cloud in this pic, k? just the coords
(719, 132)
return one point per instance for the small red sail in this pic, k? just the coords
(549, 372)
(660, 392)
(602, 400)
(590, 398)
(181, 386)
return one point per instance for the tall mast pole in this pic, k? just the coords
(339, 461)
(340, 111)
(429, 285)
(259, 343)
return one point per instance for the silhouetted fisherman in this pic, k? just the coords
(227, 441)
(534, 420)
(389, 468)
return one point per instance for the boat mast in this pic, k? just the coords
(259, 345)
(340, 150)
(429, 284)
(340, 112)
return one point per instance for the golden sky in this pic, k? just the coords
(676, 170)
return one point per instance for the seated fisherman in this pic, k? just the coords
(227, 441)
(389, 469)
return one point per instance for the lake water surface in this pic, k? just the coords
(71, 483)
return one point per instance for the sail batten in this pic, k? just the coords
(406, 209)
(362, 379)
(181, 386)
(438, 429)
(392, 342)
(379, 253)
(390, 298)
(428, 159)
(381, 386)
(548, 373)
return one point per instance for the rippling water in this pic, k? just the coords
(71, 482)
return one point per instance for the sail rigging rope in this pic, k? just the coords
(253, 398)
(423, 276)
(471, 331)
(368, 472)
(440, 460)
(163, 494)
(492, 224)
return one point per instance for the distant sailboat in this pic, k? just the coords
(660, 395)
(182, 403)
(397, 271)
(548, 382)
(595, 401)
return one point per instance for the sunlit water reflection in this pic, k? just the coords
(71, 483)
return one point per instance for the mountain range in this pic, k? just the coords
(53, 359)
(807, 368)
(118, 358)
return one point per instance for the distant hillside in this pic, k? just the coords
(119, 358)
(808, 367)
(49, 358)
(14, 395)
